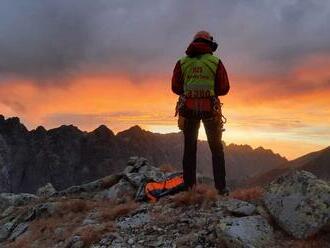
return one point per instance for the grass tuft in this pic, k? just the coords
(114, 212)
(248, 194)
(201, 195)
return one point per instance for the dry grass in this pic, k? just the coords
(248, 194)
(201, 195)
(320, 240)
(43, 230)
(167, 168)
(68, 218)
(110, 213)
(68, 214)
(91, 234)
(75, 206)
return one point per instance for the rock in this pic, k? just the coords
(8, 211)
(5, 230)
(10, 199)
(152, 173)
(250, 231)
(120, 191)
(128, 169)
(76, 242)
(45, 209)
(299, 202)
(134, 221)
(139, 170)
(46, 191)
(110, 240)
(91, 218)
(97, 185)
(20, 229)
(135, 178)
(237, 207)
(130, 241)
(137, 162)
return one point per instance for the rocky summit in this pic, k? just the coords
(105, 213)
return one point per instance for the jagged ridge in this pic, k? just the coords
(67, 156)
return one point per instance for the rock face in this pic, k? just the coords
(300, 203)
(67, 156)
(4, 160)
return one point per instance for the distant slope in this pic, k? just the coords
(320, 166)
(67, 156)
(317, 163)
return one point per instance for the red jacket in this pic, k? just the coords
(221, 86)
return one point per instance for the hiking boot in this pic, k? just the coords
(223, 192)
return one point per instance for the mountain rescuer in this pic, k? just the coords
(200, 78)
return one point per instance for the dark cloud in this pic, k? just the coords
(46, 39)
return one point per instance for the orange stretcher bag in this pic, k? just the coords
(171, 185)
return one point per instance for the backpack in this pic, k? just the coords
(152, 190)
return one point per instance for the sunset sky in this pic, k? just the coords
(98, 62)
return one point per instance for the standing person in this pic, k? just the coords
(199, 78)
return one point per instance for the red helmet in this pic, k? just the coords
(206, 37)
(203, 35)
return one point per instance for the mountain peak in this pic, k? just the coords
(103, 130)
(12, 124)
(65, 130)
(135, 128)
(39, 130)
(244, 147)
(13, 121)
(132, 131)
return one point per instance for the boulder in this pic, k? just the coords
(46, 191)
(120, 191)
(250, 231)
(299, 202)
(97, 185)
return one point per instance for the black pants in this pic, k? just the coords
(213, 128)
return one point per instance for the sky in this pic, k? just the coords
(97, 62)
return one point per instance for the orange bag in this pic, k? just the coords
(154, 190)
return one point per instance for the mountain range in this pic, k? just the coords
(316, 162)
(67, 156)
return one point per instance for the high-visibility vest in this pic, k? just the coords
(199, 75)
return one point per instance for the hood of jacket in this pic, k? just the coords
(198, 48)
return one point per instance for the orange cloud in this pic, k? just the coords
(89, 95)
(260, 111)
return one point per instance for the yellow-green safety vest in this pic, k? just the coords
(199, 75)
